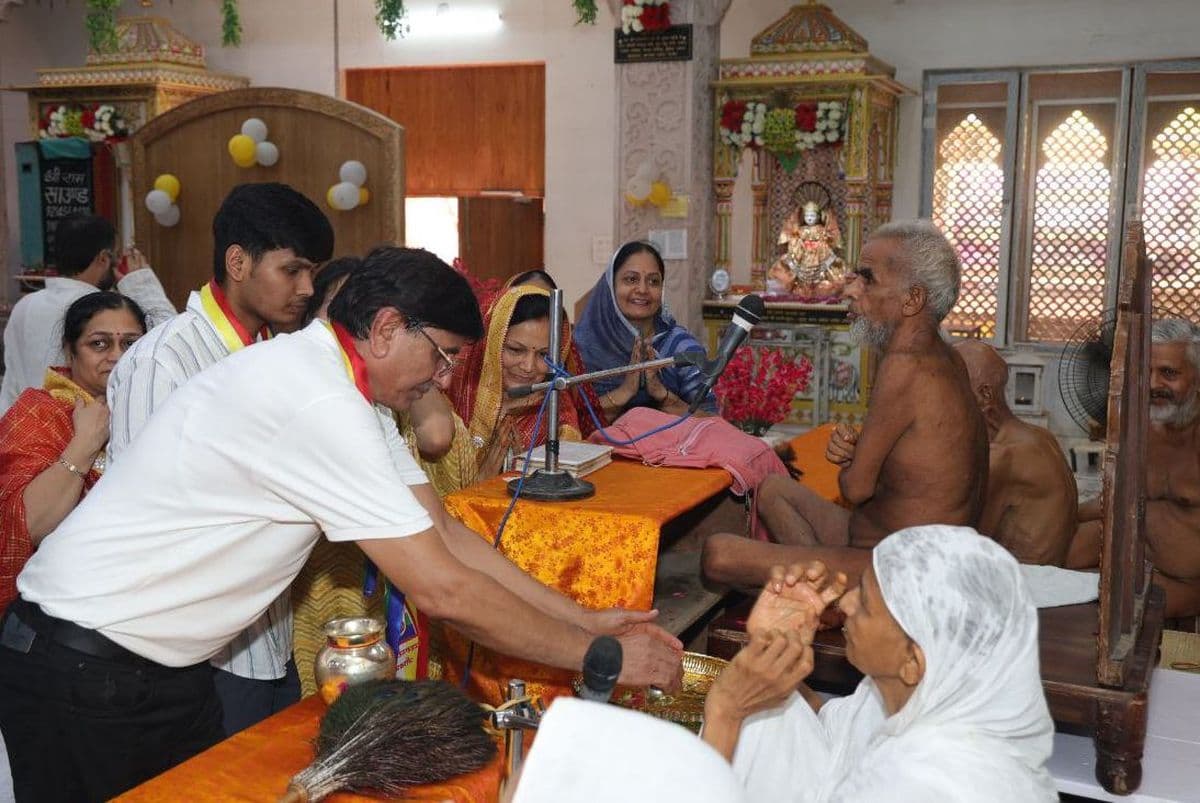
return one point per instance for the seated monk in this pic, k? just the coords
(1172, 472)
(951, 708)
(1032, 500)
(921, 457)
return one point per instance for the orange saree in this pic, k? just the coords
(33, 434)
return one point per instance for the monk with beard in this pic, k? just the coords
(921, 456)
(1172, 472)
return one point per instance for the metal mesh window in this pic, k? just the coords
(1070, 229)
(1171, 213)
(968, 206)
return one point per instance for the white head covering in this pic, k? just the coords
(595, 753)
(976, 727)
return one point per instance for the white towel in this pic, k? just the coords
(1051, 586)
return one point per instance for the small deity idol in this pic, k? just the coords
(809, 264)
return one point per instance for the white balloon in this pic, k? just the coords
(344, 196)
(168, 218)
(638, 187)
(255, 128)
(157, 201)
(267, 153)
(353, 172)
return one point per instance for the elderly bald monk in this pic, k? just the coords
(922, 454)
(1032, 502)
(1172, 472)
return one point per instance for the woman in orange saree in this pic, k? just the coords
(511, 353)
(583, 393)
(52, 438)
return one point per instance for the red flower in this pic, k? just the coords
(806, 117)
(656, 18)
(759, 385)
(88, 118)
(732, 113)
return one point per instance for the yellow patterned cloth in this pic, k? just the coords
(601, 552)
(330, 585)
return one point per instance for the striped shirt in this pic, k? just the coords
(155, 367)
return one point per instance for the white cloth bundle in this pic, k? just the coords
(595, 753)
(976, 727)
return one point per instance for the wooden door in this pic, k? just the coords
(500, 237)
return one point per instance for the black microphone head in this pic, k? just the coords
(519, 392)
(752, 306)
(601, 668)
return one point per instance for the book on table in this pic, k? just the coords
(575, 457)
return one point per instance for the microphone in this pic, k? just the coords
(746, 316)
(601, 667)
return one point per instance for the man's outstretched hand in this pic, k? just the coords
(795, 597)
(650, 655)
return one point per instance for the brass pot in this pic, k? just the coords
(354, 652)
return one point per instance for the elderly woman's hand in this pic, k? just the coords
(795, 597)
(760, 677)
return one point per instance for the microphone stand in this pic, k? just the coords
(553, 484)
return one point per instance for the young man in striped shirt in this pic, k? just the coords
(267, 240)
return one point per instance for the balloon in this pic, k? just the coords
(343, 196)
(168, 218)
(638, 187)
(158, 201)
(168, 184)
(634, 201)
(241, 148)
(660, 193)
(266, 153)
(255, 128)
(353, 172)
(364, 195)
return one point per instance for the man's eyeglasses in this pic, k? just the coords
(449, 366)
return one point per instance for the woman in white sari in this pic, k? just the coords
(952, 707)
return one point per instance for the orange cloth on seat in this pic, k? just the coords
(601, 552)
(809, 456)
(256, 765)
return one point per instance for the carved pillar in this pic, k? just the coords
(664, 117)
(763, 248)
(723, 192)
(854, 155)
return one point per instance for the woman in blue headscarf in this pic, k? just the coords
(626, 321)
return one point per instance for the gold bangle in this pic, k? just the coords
(72, 468)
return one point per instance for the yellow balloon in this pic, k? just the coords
(168, 184)
(364, 195)
(329, 197)
(632, 201)
(241, 148)
(660, 193)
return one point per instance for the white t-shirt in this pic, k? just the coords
(213, 509)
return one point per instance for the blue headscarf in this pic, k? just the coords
(605, 339)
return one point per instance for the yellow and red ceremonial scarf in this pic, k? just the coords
(233, 333)
(407, 628)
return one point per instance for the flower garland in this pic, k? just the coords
(98, 122)
(585, 10)
(758, 385)
(782, 130)
(645, 15)
(743, 123)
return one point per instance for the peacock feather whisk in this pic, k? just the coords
(389, 736)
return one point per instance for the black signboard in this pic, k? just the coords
(67, 189)
(670, 44)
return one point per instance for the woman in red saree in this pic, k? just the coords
(52, 438)
(511, 353)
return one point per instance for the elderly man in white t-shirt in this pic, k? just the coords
(213, 510)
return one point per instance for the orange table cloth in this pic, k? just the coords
(809, 456)
(601, 552)
(255, 766)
